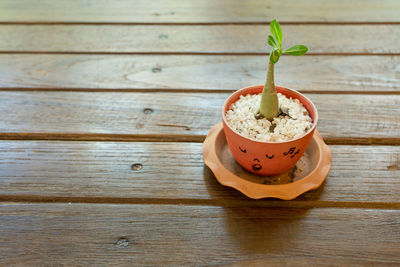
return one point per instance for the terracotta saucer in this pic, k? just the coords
(309, 172)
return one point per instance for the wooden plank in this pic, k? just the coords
(198, 11)
(318, 73)
(126, 116)
(82, 234)
(175, 173)
(196, 39)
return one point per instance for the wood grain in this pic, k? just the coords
(190, 115)
(175, 173)
(82, 234)
(198, 11)
(155, 203)
(304, 261)
(195, 39)
(309, 73)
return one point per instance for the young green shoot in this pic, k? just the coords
(269, 106)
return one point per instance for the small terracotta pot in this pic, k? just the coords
(267, 158)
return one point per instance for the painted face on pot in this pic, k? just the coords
(256, 165)
(288, 153)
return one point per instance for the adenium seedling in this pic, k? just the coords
(269, 106)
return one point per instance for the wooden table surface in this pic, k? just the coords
(104, 106)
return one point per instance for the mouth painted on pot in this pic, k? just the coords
(256, 165)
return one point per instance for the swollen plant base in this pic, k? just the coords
(292, 122)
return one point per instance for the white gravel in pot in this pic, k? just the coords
(293, 121)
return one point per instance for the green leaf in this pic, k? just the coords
(296, 50)
(271, 41)
(274, 55)
(276, 31)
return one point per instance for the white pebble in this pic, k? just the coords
(241, 117)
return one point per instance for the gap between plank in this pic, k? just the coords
(199, 23)
(181, 90)
(203, 202)
(177, 53)
(174, 138)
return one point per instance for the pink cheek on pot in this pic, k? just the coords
(292, 152)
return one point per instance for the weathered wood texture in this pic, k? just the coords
(101, 171)
(304, 261)
(100, 114)
(310, 73)
(196, 39)
(199, 11)
(172, 211)
(81, 234)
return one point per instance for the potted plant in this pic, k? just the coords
(268, 128)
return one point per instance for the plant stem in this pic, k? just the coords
(269, 106)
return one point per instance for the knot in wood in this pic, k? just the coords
(122, 242)
(148, 110)
(156, 70)
(136, 166)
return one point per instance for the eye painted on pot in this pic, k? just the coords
(269, 157)
(243, 150)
